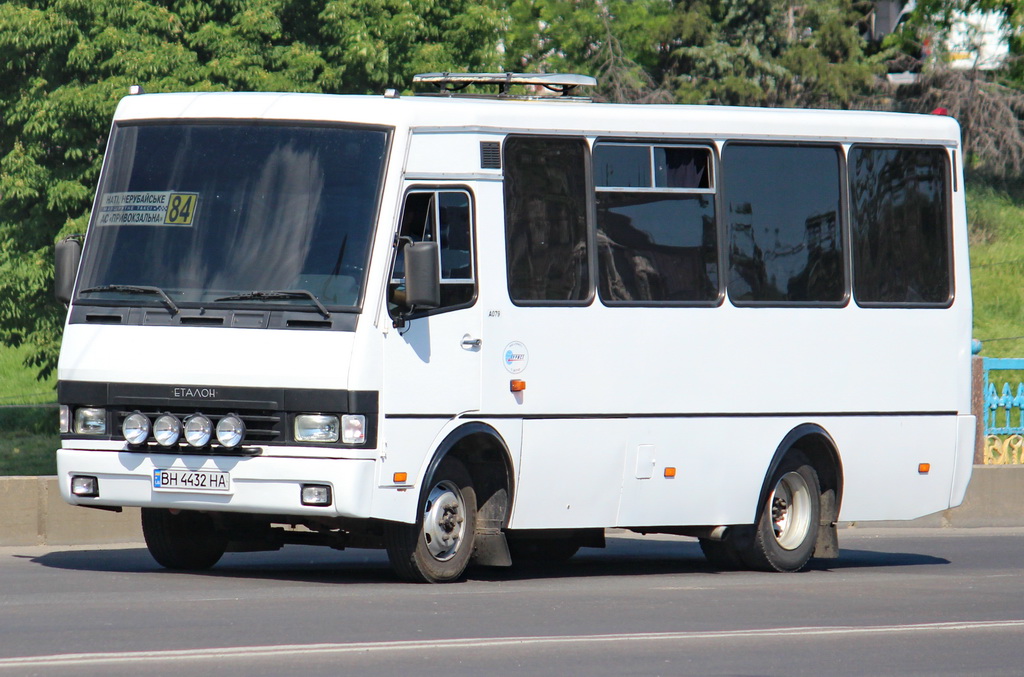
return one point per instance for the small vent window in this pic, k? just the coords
(490, 155)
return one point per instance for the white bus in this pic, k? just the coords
(479, 329)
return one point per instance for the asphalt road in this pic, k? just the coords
(898, 602)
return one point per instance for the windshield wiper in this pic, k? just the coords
(136, 289)
(281, 294)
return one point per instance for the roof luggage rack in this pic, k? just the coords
(562, 84)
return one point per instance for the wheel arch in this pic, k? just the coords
(822, 451)
(484, 453)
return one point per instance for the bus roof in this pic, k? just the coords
(558, 116)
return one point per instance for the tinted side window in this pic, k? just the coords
(656, 233)
(901, 225)
(785, 235)
(546, 219)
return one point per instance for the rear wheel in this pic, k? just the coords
(787, 530)
(437, 548)
(183, 539)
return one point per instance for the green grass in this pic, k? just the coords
(28, 435)
(28, 440)
(18, 383)
(28, 454)
(997, 270)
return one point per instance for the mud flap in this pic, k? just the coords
(491, 548)
(827, 545)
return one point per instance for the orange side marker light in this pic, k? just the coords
(401, 477)
(516, 386)
(924, 468)
(670, 473)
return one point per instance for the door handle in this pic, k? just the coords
(470, 343)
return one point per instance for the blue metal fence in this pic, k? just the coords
(1004, 407)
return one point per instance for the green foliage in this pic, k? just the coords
(829, 65)
(382, 43)
(740, 52)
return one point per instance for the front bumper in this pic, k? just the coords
(258, 484)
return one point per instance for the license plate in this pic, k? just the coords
(192, 480)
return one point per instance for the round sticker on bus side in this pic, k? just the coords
(515, 357)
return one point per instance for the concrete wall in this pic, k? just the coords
(32, 511)
(994, 499)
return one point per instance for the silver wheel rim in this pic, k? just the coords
(444, 521)
(791, 510)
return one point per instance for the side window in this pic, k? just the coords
(901, 226)
(445, 217)
(546, 219)
(783, 210)
(656, 235)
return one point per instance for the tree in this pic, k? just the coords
(740, 52)
(988, 103)
(64, 64)
(826, 56)
(613, 40)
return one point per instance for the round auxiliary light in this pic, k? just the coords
(230, 431)
(135, 428)
(198, 430)
(167, 430)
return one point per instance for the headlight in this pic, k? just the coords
(167, 430)
(91, 421)
(316, 428)
(198, 430)
(230, 431)
(135, 428)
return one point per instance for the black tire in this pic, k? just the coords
(542, 551)
(437, 548)
(186, 540)
(721, 554)
(787, 529)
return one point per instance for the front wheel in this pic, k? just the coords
(787, 529)
(437, 548)
(182, 539)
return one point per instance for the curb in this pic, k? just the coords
(35, 514)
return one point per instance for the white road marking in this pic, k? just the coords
(443, 644)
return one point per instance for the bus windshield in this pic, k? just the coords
(235, 212)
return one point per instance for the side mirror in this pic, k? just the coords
(422, 275)
(67, 254)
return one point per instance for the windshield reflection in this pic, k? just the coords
(208, 211)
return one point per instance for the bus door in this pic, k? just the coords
(432, 363)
